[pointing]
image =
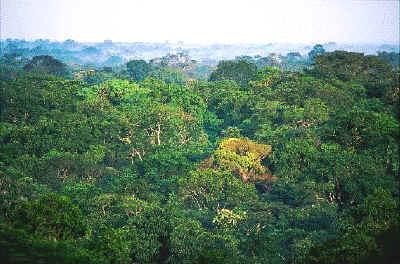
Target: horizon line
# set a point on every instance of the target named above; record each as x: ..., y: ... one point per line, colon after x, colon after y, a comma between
x: 202, y: 43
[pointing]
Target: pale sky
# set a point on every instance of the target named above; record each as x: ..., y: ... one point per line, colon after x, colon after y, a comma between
x: 203, y: 21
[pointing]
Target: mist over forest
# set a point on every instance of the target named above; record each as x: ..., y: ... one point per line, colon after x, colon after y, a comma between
x: 109, y: 53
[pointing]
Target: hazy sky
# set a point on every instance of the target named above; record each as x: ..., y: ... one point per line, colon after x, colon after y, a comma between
x: 203, y: 21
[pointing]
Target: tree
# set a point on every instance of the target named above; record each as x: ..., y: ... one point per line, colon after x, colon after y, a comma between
x: 209, y: 189
x: 51, y: 216
x: 240, y: 71
x: 226, y: 99
x: 317, y: 50
x: 242, y: 157
x: 138, y: 69
x: 390, y: 57
x: 47, y: 65
x: 376, y: 75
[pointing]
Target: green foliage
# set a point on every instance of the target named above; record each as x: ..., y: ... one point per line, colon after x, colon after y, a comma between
x: 258, y: 165
x: 111, y: 244
x: 51, y: 216
x: 369, y: 240
x: 239, y: 71
x: 19, y: 246
x: 138, y: 69
x: 390, y: 57
x: 316, y: 111
x: 316, y: 51
x: 45, y: 64
x: 242, y: 157
x: 212, y: 189
x: 376, y: 75
x: 191, y: 243
x: 169, y: 75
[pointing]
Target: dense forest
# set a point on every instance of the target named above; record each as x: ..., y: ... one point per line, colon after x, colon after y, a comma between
x: 276, y: 159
